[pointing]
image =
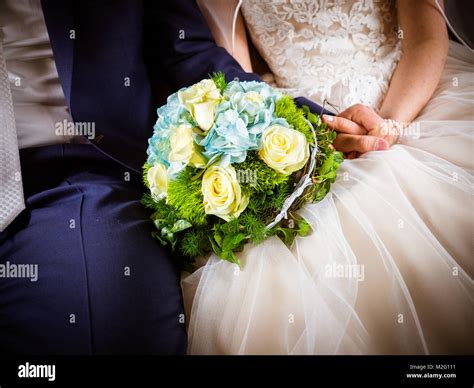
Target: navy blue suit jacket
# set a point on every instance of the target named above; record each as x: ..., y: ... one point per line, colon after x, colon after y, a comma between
x: 117, y: 60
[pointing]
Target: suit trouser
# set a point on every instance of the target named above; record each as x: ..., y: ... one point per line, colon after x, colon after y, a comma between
x: 103, y: 284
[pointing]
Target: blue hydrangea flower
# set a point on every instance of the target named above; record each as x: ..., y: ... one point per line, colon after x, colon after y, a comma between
x: 170, y: 115
x: 269, y: 94
x: 248, y: 108
x: 229, y: 137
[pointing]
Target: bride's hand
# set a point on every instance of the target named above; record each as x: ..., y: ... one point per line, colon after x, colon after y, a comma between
x: 361, y: 130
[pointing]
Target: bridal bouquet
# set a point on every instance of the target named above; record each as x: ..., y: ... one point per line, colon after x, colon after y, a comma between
x: 230, y: 163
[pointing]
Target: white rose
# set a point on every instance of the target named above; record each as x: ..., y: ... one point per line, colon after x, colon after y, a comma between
x: 183, y: 148
x: 157, y: 178
x: 222, y: 193
x: 200, y: 100
x: 284, y: 149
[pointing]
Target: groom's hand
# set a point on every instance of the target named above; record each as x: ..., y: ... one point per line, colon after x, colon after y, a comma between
x: 359, y: 130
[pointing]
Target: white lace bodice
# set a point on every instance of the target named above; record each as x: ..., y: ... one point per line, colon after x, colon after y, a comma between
x: 341, y: 50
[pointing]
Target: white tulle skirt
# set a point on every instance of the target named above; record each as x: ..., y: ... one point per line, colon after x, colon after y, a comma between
x: 388, y: 268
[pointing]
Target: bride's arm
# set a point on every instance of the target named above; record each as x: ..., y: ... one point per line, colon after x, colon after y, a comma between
x: 219, y: 16
x: 241, y: 47
x: 425, y: 47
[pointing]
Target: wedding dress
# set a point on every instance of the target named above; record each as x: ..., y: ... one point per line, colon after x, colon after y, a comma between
x: 388, y: 267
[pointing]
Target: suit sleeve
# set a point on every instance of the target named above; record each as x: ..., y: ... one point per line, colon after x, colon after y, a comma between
x: 188, y: 52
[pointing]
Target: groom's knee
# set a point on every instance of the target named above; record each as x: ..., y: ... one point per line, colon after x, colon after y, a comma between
x: 102, y: 287
x: 130, y: 305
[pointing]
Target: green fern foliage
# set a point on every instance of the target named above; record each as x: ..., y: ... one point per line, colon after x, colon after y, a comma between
x: 185, y: 196
x: 219, y: 80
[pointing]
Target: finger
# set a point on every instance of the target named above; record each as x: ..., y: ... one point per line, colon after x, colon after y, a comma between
x: 348, y: 143
x: 388, y: 130
x: 363, y: 115
x: 344, y: 125
x: 351, y: 155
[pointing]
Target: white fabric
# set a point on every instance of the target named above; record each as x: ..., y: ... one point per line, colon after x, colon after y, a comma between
x: 389, y: 266
x: 344, y: 51
x: 11, y: 188
x: 38, y: 98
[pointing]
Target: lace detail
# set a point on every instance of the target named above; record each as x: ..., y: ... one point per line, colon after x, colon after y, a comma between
x: 342, y: 50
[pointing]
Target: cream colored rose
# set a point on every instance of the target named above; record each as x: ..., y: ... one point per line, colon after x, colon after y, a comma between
x: 157, y: 178
x: 183, y: 147
x: 222, y: 193
x: 284, y: 149
x: 200, y: 100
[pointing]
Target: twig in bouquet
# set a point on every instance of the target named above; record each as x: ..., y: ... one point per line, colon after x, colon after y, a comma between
x: 335, y: 107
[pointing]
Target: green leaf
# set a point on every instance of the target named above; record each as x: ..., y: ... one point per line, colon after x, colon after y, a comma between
x: 215, y: 246
x: 327, y: 165
x: 338, y: 157
x: 180, y: 225
x: 159, y: 238
x: 286, y: 234
x: 232, y: 241
x: 303, y: 228
x: 218, y: 238
x: 230, y: 256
